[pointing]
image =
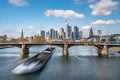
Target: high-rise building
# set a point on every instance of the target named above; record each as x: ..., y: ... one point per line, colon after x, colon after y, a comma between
x: 61, y: 34
x: 68, y: 30
x: 42, y: 33
x: 99, y: 33
x: 76, y: 33
x: 52, y: 34
x: 81, y: 34
x: 61, y: 30
x: 47, y: 35
x: 72, y: 35
x: 55, y: 34
x: 91, y: 32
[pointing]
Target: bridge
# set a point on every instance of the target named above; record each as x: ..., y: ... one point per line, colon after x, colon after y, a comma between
x: 102, y: 47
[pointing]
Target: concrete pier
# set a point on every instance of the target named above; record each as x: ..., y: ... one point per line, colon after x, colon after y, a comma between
x: 24, y: 51
x: 65, y: 49
x: 103, y: 52
x: 99, y: 52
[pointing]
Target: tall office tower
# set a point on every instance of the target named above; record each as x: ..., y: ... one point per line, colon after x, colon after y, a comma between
x: 76, y: 33
x: 72, y: 35
x: 61, y: 34
x: 64, y: 35
x: 61, y: 30
x: 55, y: 34
x: 42, y: 33
x: 91, y: 32
x: 81, y: 34
x: 99, y: 33
x: 52, y: 34
x: 47, y: 35
x: 68, y: 30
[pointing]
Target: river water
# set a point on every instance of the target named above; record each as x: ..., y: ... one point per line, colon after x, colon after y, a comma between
x: 81, y: 64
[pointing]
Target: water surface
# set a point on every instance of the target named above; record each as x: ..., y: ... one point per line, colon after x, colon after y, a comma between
x: 82, y: 64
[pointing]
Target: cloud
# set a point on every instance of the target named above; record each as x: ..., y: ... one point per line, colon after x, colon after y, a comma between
x: 30, y: 27
x: 19, y: 2
x: 103, y: 8
x: 63, y: 13
x: 85, y: 27
x: 106, y: 23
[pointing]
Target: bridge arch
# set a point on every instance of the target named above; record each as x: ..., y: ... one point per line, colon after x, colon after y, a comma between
x: 79, y: 50
x: 113, y: 50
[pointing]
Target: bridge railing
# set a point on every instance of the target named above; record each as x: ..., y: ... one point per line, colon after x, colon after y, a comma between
x: 112, y: 42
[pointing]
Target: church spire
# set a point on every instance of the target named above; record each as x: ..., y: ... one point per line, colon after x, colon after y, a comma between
x: 22, y: 36
x: 91, y: 32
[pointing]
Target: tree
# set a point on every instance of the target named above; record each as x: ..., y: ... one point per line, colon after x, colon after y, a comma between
x: 112, y: 38
x: 20, y: 39
x: 37, y: 39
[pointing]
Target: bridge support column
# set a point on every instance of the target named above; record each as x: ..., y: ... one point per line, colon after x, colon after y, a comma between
x: 99, y: 52
x: 65, y: 49
x: 24, y: 51
x: 103, y: 52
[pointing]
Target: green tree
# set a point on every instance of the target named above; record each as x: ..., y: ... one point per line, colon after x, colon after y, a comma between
x: 112, y: 38
x: 37, y: 39
x: 20, y: 40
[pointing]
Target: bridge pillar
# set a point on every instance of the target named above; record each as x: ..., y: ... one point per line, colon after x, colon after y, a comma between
x: 99, y: 52
x: 65, y: 49
x: 103, y: 52
x: 24, y: 51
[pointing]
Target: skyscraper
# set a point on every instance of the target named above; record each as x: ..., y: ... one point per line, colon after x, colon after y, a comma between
x: 42, y: 33
x: 51, y: 33
x: 99, y: 33
x: 47, y: 35
x: 68, y: 30
x: 55, y: 34
x: 76, y: 33
x: 61, y: 34
x: 81, y: 34
x: 91, y: 32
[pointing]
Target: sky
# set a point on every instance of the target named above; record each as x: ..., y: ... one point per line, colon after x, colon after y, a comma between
x: 35, y: 15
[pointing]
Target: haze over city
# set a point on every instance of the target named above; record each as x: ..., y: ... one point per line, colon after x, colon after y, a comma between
x: 33, y: 16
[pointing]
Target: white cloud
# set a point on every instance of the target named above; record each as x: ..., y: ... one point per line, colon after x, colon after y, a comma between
x: 106, y: 23
x: 63, y: 13
x: 104, y: 7
x: 85, y: 27
x: 19, y: 2
x: 30, y: 27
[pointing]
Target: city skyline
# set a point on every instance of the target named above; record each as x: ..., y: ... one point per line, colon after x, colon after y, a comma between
x: 34, y: 16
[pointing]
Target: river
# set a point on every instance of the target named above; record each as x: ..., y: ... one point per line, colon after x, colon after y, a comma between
x: 81, y: 64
